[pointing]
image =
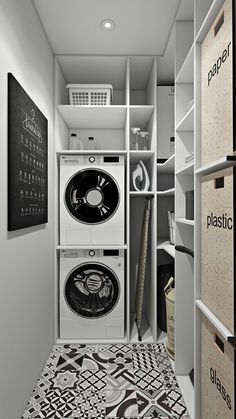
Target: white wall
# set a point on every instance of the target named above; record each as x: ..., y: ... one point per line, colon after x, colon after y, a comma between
x: 26, y: 256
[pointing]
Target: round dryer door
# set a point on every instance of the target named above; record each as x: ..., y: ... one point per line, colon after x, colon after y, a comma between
x: 92, y: 290
x: 92, y: 196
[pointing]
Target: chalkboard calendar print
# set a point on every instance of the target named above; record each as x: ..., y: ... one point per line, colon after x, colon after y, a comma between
x: 27, y: 160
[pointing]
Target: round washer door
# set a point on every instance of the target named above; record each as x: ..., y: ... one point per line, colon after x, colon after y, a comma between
x: 92, y: 196
x: 92, y: 290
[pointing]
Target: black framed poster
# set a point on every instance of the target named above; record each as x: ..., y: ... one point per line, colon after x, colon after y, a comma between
x: 27, y: 160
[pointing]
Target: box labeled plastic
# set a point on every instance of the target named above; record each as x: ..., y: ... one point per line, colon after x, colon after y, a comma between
x: 217, y: 95
x: 218, y: 245
x: 217, y: 374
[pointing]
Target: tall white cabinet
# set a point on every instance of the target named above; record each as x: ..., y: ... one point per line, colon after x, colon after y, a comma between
x: 133, y: 105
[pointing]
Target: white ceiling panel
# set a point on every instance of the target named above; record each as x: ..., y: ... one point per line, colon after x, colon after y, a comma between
x: 142, y: 27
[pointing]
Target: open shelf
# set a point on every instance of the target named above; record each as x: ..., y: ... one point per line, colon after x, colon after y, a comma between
x: 168, y: 167
x: 216, y: 165
x: 142, y: 80
x: 137, y: 155
x: 142, y: 193
x: 140, y: 115
x: 107, y: 117
x: 186, y: 73
x: 167, y: 192
x: 187, y: 122
x: 187, y: 169
x: 75, y: 152
x: 88, y: 69
x: 164, y: 244
x: 185, y: 221
x: 214, y: 320
x: 92, y: 246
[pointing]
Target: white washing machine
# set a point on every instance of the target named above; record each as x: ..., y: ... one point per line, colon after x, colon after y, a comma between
x: 92, y: 207
x: 92, y: 294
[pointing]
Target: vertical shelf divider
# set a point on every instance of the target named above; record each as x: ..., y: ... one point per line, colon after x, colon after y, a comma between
x: 127, y: 146
x: 197, y: 231
x: 153, y: 313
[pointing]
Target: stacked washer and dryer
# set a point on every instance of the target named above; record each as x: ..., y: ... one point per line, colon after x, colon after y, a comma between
x: 92, y: 214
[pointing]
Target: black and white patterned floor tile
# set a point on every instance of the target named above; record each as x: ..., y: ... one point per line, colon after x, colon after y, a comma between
x: 70, y: 361
x: 33, y: 406
x: 44, y: 382
x: 144, y: 360
x: 169, y: 380
x: 159, y: 347
x: 59, y: 404
x: 52, y: 361
x: 119, y: 378
x: 121, y: 359
x: 79, y: 348
x: 163, y: 361
x: 153, y: 402
x: 90, y: 405
x: 145, y: 379
x: 118, y: 381
x: 142, y: 347
x: 121, y: 403
x: 176, y: 403
x: 120, y: 347
x: 95, y: 361
x: 64, y: 380
x: 92, y: 380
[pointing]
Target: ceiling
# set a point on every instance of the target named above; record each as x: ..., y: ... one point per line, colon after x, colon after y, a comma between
x: 142, y: 27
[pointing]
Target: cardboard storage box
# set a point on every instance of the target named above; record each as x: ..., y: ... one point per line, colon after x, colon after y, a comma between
x: 217, y: 88
x: 217, y: 374
x: 218, y: 245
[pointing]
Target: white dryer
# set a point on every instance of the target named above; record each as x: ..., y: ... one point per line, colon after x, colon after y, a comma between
x: 92, y: 208
x: 92, y: 294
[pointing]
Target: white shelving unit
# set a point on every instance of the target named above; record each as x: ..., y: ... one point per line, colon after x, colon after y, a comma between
x: 184, y: 181
x: 63, y: 247
x: 185, y: 221
x: 134, y: 104
x: 168, y: 167
x: 187, y: 169
x: 164, y: 244
x: 166, y: 192
x: 144, y: 193
x: 187, y: 122
x: 102, y: 117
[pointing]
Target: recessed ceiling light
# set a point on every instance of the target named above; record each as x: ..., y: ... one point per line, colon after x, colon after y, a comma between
x: 107, y: 24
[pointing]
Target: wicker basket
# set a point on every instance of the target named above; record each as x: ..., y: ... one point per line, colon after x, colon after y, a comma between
x: 90, y: 94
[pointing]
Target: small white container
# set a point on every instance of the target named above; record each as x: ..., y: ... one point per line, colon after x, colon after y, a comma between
x: 91, y: 144
x: 75, y: 143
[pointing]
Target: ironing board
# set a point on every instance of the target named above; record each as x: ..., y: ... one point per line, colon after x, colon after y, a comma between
x: 142, y: 267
